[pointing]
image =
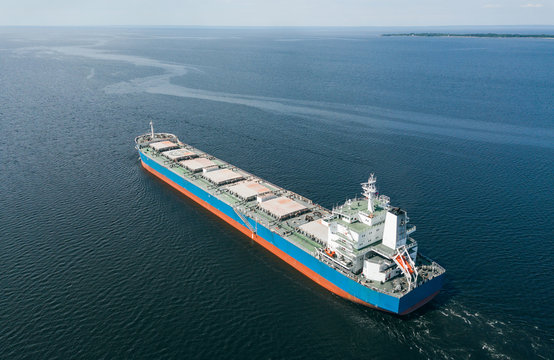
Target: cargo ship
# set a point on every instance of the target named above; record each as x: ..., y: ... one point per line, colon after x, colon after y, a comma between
x: 361, y: 250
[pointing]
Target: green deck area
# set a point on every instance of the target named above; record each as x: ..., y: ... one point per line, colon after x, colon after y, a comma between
x: 247, y: 208
x: 356, y: 226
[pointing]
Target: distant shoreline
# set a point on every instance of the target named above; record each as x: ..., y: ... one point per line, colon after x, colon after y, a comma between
x: 478, y: 35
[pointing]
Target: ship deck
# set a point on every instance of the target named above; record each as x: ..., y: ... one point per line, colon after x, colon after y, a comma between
x: 287, y: 228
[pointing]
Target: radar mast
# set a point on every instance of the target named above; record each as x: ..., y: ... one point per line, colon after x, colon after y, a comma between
x: 370, y: 192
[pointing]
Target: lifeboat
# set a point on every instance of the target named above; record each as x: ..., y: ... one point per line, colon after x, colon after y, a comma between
x: 330, y: 253
x: 401, y: 260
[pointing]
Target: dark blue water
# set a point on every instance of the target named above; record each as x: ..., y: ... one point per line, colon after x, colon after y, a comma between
x: 98, y: 259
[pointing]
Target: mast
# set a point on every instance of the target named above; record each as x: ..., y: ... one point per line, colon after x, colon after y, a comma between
x: 152, y: 129
x: 370, y: 190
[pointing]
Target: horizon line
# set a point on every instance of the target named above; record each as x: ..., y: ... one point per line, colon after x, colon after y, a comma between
x: 276, y: 26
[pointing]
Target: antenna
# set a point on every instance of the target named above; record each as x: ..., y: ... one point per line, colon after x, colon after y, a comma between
x: 370, y: 190
x: 152, y: 129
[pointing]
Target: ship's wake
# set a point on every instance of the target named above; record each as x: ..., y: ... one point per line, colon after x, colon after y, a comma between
x: 447, y: 332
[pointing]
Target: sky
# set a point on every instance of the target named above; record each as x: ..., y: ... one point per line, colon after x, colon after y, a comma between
x: 277, y: 12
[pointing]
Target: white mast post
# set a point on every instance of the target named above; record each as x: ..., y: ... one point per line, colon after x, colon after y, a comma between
x: 369, y: 192
x: 152, y: 129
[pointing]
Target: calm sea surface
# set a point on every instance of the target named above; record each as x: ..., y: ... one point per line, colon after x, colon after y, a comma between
x: 99, y: 259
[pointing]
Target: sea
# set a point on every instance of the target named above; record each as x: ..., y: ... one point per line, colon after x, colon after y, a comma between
x: 101, y: 260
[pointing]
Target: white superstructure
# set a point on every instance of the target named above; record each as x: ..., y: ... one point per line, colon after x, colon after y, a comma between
x: 370, y: 237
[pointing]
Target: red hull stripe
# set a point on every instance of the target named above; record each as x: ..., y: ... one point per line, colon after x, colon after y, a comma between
x: 281, y: 254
